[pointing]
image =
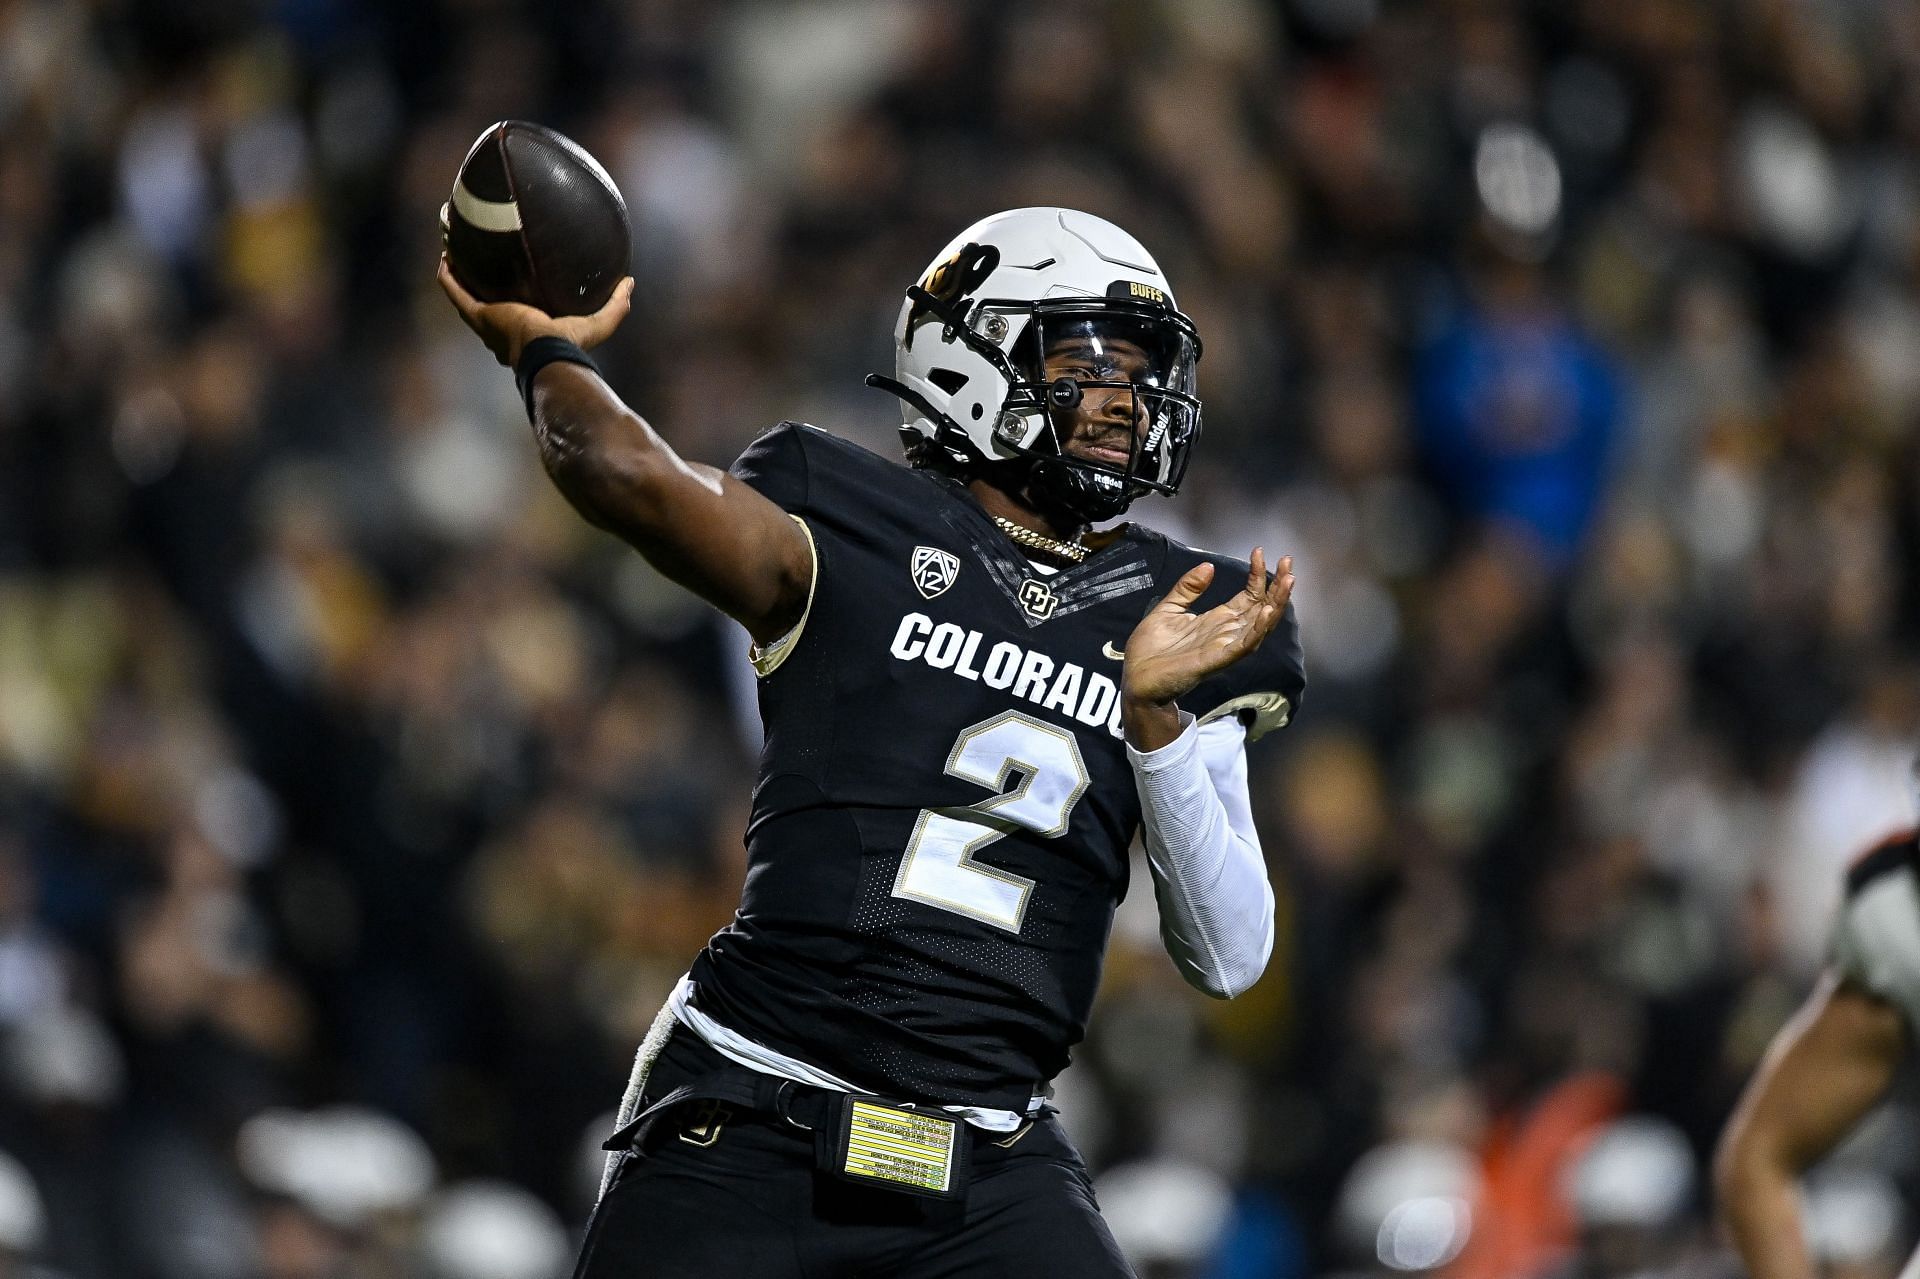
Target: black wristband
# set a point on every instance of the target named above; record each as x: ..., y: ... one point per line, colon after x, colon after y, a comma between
x: 539, y: 353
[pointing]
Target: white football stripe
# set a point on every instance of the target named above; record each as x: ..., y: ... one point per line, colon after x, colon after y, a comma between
x: 488, y: 215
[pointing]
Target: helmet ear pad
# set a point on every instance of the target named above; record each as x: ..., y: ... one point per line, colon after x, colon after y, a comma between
x: 967, y: 398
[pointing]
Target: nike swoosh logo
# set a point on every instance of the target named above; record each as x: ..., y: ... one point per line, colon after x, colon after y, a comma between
x: 1108, y: 650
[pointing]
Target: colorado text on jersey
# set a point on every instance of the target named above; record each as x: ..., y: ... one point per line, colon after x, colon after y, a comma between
x: 1087, y: 696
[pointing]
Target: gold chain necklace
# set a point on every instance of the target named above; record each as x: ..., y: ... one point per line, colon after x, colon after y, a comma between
x: 1041, y: 542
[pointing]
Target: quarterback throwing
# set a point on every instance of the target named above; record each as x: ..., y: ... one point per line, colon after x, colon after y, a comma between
x: 975, y: 697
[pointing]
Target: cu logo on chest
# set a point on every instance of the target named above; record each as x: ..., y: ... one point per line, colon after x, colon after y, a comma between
x: 933, y: 571
x: 1037, y: 598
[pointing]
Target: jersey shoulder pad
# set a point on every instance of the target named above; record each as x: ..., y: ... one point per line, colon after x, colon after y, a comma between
x: 1876, y: 938
x: 776, y: 464
x: 1262, y: 689
x: 806, y: 470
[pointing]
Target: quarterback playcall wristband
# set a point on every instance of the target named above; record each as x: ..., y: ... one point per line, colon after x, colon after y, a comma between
x: 539, y: 353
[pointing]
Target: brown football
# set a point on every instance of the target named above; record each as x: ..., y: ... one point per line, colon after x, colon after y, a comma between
x: 533, y: 218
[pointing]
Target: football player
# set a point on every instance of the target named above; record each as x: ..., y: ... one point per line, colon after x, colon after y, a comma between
x: 1830, y: 1065
x: 972, y: 703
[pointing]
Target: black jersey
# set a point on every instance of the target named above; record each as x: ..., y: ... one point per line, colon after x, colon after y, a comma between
x: 940, y: 828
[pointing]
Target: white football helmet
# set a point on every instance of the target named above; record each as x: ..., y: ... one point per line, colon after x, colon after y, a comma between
x: 972, y: 339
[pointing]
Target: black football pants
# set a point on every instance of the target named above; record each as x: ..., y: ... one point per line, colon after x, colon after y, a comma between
x: 751, y: 1204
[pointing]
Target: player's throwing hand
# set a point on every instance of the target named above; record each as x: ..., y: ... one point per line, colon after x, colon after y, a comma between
x: 507, y: 327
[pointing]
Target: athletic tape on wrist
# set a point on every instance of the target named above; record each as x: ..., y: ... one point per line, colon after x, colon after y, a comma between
x: 539, y: 353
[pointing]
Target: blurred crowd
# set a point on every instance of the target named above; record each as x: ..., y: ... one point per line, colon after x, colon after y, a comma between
x: 359, y: 804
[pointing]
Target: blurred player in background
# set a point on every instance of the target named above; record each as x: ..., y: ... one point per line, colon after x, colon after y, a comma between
x: 1831, y: 1064
x: 973, y: 702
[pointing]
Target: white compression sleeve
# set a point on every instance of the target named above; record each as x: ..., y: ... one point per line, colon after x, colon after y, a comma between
x: 1209, y: 875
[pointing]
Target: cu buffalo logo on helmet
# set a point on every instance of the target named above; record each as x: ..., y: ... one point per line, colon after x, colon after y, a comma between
x: 933, y: 571
x: 950, y: 284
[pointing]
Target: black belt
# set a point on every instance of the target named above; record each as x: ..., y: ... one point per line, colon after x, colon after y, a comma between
x: 871, y: 1141
x: 736, y: 1086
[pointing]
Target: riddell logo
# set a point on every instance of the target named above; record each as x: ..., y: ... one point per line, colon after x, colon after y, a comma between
x: 1154, y: 436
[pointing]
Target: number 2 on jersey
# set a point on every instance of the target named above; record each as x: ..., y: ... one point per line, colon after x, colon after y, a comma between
x: 938, y: 867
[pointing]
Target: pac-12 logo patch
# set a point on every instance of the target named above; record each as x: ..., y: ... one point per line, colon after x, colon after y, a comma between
x: 933, y: 571
x: 1037, y: 598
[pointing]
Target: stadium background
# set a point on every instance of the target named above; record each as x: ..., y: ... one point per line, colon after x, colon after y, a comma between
x: 358, y: 803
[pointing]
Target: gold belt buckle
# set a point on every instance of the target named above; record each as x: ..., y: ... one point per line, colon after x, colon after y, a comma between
x: 704, y: 1121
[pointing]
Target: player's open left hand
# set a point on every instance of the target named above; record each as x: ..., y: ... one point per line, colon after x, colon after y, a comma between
x: 507, y: 327
x: 1174, y: 648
